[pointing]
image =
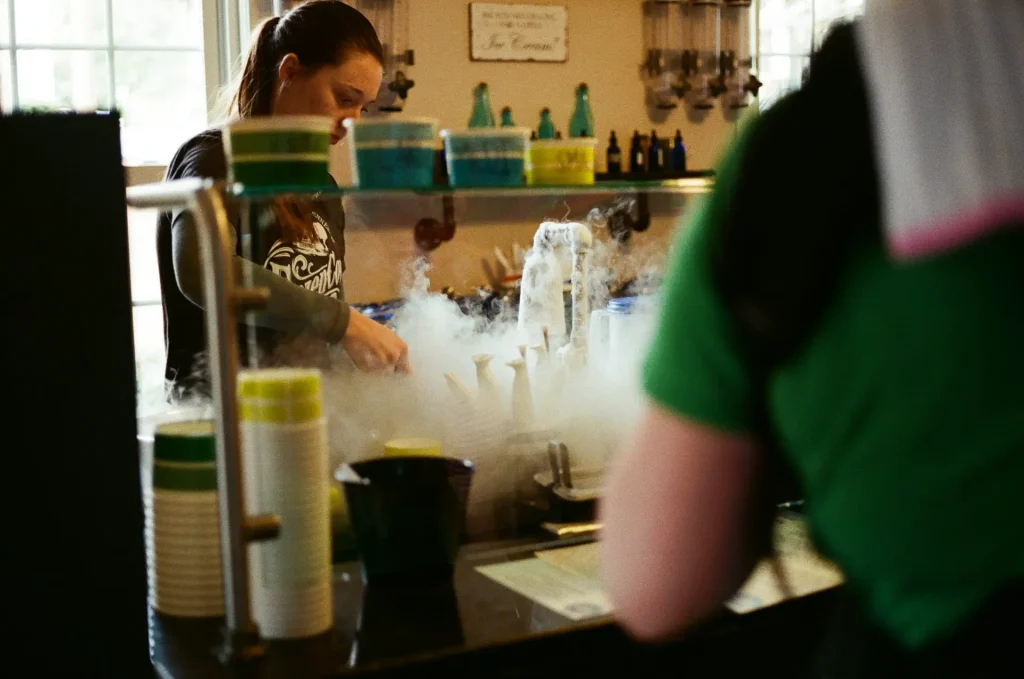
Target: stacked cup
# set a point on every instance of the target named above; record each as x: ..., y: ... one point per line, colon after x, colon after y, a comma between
x: 280, y: 151
x: 182, y: 527
x: 284, y: 453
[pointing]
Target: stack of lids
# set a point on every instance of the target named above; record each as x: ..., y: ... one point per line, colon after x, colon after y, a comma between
x: 285, y: 465
x: 182, y: 527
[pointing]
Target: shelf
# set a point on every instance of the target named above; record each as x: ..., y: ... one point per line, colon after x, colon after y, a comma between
x: 689, y: 185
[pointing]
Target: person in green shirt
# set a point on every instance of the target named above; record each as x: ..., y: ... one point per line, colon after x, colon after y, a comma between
x: 893, y: 389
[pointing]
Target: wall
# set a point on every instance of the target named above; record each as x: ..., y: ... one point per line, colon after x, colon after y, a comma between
x: 605, y: 51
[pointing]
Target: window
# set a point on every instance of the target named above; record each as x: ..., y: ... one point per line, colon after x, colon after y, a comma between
x: 788, y: 32
x: 143, y: 57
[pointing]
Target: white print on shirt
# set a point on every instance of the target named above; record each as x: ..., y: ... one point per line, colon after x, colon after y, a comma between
x: 312, y: 263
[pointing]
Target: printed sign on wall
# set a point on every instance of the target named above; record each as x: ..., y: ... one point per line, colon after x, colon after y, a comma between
x: 517, y: 32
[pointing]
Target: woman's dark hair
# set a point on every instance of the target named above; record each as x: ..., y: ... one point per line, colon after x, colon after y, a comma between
x: 318, y: 32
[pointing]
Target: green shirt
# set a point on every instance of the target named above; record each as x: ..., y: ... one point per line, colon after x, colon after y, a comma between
x: 903, y: 413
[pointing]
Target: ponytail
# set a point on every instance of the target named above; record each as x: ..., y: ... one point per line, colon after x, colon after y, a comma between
x: 255, y: 91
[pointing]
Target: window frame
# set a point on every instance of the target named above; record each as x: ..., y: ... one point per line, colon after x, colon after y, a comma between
x: 222, y: 31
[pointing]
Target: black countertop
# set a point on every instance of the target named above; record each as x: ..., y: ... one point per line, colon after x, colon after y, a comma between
x: 474, y: 626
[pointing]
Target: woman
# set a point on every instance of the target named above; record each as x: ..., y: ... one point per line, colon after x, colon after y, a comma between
x: 321, y: 58
x: 848, y: 298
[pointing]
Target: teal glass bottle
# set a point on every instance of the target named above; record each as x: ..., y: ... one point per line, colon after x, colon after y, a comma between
x: 506, y: 117
x: 482, y: 115
x: 546, y: 129
x: 582, y: 122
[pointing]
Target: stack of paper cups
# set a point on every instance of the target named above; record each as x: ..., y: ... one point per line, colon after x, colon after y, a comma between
x: 182, y: 528
x: 284, y: 456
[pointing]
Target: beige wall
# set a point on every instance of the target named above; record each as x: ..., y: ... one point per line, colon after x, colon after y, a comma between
x: 605, y: 50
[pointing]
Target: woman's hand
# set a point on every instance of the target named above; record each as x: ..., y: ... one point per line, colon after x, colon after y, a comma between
x: 372, y: 347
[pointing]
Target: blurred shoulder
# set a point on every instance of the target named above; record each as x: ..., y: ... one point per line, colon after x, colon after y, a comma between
x: 200, y: 156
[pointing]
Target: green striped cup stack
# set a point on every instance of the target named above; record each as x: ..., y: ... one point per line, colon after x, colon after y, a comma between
x: 280, y: 151
x: 182, y: 525
x: 285, y: 465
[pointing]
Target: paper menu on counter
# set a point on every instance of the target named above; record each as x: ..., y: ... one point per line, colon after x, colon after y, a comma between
x: 563, y: 591
x: 580, y: 559
x: 567, y: 581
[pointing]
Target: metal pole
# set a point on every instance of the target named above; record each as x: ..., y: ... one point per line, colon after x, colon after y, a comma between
x: 15, y: 93
x: 221, y: 299
x: 212, y: 223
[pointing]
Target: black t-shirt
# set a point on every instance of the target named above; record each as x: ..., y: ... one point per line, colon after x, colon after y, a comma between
x: 315, y: 264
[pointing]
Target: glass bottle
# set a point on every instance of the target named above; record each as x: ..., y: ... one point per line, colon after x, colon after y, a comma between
x: 582, y: 122
x: 679, y: 153
x: 614, y: 156
x: 655, y: 157
x: 482, y: 115
x: 637, y: 162
x: 506, y: 117
x: 546, y: 129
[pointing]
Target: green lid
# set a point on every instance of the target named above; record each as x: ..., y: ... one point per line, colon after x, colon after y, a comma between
x: 186, y: 477
x: 190, y: 441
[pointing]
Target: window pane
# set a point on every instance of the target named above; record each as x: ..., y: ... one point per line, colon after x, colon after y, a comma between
x: 829, y: 12
x: 5, y: 31
x: 148, y: 320
x: 75, y: 79
x: 162, y: 96
x: 785, y: 26
x: 155, y: 23
x: 6, y: 91
x: 779, y: 75
x: 142, y: 255
x: 260, y: 10
x: 60, y: 22
x: 148, y: 324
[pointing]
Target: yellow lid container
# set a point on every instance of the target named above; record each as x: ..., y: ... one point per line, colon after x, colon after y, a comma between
x: 412, y: 448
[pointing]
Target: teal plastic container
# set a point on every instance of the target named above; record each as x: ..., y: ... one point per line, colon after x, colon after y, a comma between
x: 486, y: 157
x: 392, y: 154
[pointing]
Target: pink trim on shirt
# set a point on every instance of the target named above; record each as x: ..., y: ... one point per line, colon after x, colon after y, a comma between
x: 946, y: 234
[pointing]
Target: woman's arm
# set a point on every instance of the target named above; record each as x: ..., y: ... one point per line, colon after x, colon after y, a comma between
x: 675, y: 542
x: 290, y: 308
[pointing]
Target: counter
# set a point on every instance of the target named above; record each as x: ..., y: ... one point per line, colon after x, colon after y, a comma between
x: 476, y: 627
